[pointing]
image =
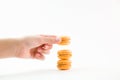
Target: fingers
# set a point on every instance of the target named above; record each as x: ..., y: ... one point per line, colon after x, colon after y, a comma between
x: 40, y: 51
x: 51, y: 39
x: 43, y: 51
x: 45, y: 48
x: 39, y: 56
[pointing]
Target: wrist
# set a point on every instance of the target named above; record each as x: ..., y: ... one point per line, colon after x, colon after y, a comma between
x: 9, y: 47
x: 19, y: 48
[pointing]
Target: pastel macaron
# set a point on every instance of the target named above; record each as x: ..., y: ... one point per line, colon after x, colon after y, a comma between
x: 64, y: 54
x: 64, y: 64
x: 65, y: 40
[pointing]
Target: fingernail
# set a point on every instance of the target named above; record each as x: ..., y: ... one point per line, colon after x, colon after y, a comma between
x: 58, y: 39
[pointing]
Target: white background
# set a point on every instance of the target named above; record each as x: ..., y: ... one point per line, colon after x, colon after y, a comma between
x: 93, y: 25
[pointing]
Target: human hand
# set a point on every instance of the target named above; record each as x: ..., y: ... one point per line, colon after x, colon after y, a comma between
x: 37, y: 46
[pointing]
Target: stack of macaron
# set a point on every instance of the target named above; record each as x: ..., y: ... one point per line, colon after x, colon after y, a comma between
x: 64, y: 62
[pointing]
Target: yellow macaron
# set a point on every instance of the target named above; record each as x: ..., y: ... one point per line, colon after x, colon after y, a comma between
x: 64, y: 64
x: 64, y: 54
x: 65, y: 40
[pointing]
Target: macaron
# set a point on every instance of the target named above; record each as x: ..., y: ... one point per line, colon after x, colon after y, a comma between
x: 65, y: 40
x: 64, y: 64
x: 64, y: 54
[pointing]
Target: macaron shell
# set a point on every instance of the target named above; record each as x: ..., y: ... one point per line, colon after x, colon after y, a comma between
x: 64, y: 64
x: 65, y: 40
x: 64, y: 54
x: 64, y: 51
x: 63, y: 67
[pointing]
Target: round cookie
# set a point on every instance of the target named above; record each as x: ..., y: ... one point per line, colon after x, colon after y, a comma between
x: 64, y: 64
x: 64, y: 54
x: 65, y: 40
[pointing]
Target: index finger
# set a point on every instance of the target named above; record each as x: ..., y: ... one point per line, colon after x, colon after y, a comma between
x: 50, y: 39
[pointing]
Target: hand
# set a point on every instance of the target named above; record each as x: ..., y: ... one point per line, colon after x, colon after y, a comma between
x: 37, y: 46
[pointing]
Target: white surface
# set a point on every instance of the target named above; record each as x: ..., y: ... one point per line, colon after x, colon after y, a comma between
x: 93, y: 25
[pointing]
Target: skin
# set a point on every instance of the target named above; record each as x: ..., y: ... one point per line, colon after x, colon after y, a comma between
x: 34, y: 47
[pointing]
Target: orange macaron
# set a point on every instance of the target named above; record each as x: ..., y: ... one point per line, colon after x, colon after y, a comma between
x: 64, y: 54
x: 64, y: 64
x: 65, y: 40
